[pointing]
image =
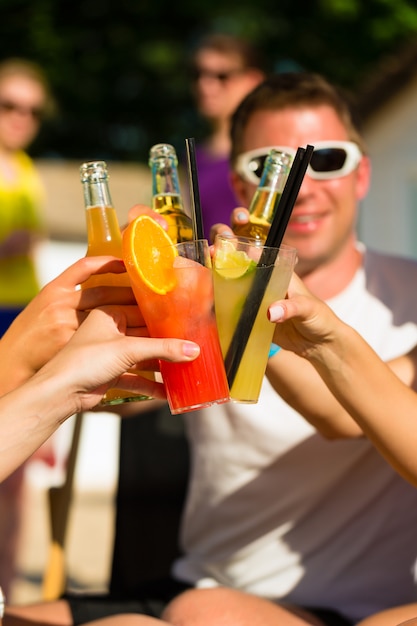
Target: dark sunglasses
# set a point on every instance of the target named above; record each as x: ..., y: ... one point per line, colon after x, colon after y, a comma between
x: 7, y: 106
x: 330, y: 159
x: 197, y: 73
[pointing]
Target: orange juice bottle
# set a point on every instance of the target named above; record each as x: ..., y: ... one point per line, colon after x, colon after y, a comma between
x: 103, y: 230
x: 104, y: 238
x: 166, y: 194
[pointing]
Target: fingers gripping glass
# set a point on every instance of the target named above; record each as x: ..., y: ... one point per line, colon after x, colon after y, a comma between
x: 331, y: 159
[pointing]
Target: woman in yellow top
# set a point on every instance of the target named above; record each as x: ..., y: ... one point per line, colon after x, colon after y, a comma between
x: 24, y: 99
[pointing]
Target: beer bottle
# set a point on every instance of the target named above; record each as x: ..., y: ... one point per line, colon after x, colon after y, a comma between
x: 265, y: 201
x: 166, y: 195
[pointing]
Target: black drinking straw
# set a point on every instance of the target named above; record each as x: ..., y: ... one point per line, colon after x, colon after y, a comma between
x: 261, y: 279
x: 198, y: 231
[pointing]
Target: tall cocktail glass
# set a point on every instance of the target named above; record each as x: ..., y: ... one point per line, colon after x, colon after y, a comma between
x: 235, y: 271
x: 187, y: 312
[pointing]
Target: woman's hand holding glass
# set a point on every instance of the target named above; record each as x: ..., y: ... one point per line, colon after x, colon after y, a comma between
x: 52, y: 317
x: 96, y: 357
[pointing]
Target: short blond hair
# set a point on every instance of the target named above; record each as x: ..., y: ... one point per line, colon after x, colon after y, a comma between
x: 29, y: 69
x: 248, y: 54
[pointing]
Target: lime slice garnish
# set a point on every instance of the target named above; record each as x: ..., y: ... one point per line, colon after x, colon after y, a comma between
x: 233, y: 263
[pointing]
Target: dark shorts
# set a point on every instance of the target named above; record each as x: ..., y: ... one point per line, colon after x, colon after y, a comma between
x: 330, y: 618
x: 150, y: 599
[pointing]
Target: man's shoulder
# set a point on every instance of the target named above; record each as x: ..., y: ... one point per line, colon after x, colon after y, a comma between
x: 379, y: 265
x: 375, y: 257
x: 393, y: 280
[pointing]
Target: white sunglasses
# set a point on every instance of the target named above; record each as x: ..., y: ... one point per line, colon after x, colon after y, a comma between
x: 330, y: 159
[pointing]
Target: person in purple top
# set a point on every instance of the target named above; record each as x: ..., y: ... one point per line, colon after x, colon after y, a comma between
x: 217, y: 195
x: 224, y: 68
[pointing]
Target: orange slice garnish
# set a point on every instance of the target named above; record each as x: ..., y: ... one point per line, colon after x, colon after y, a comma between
x: 149, y: 255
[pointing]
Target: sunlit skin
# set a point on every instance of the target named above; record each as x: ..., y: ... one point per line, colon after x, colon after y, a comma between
x: 322, y: 226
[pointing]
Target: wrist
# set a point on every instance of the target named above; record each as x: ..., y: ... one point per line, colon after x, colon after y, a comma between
x: 57, y: 400
x: 333, y: 353
x: 273, y: 350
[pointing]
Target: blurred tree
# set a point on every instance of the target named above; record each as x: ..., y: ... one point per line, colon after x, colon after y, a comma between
x: 119, y: 68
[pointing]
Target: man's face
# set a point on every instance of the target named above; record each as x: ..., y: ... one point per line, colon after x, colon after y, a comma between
x: 322, y: 223
x: 21, y: 104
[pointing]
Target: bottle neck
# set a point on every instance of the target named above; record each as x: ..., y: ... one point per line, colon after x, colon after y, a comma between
x: 275, y: 173
x: 166, y: 194
x: 103, y: 230
x: 97, y: 193
x: 269, y: 191
x: 165, y: 180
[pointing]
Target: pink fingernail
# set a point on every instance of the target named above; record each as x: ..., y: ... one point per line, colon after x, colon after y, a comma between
x: 190, y: 349
x: 275, y: 313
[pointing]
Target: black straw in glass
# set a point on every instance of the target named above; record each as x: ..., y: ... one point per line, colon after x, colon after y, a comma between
x: 267, y: 259
x: 196, y: 215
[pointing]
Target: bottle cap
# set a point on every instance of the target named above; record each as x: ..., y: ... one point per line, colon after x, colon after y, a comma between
x: 276, y: 169
x: 93, y: 171
x: 162, y: 151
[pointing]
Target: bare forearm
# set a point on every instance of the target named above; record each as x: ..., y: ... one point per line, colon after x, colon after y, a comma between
x: 28, y: 416
x: 383, y: 406
x: 301, y: 386
x: 405, y: 367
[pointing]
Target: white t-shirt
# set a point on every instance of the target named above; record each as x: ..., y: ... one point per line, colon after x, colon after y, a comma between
x: 277, y: 510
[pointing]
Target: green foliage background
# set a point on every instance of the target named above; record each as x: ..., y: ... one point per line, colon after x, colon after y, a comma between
x: 118, y: 67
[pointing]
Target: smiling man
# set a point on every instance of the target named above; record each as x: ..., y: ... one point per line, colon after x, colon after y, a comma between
x: 287, y: 526
x: 322, y: 227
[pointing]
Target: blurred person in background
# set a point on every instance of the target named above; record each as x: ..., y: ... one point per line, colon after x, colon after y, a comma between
x: 25, y: 98
x: 223, y: 69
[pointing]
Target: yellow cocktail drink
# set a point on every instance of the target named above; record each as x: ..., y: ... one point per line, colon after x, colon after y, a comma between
x: 236, y: 273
